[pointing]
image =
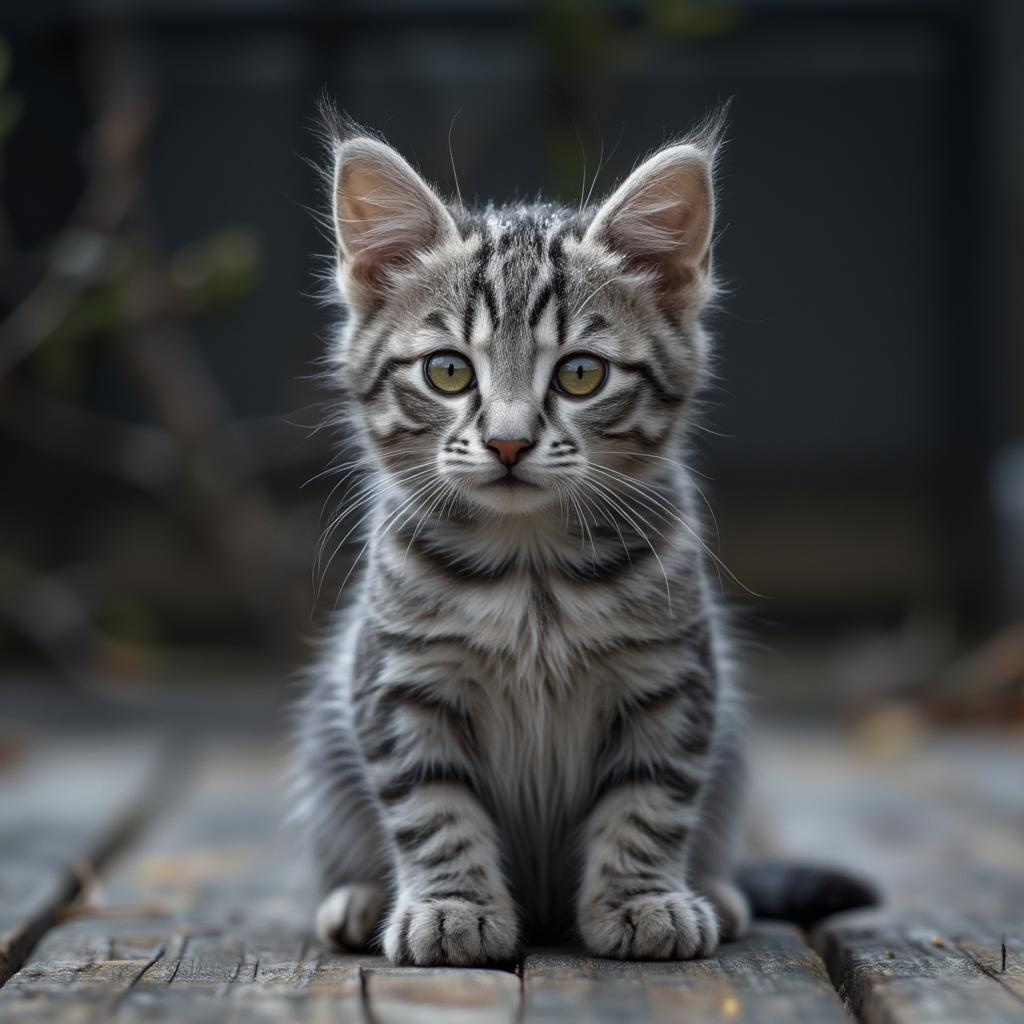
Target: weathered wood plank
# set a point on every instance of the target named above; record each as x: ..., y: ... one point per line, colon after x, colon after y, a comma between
x: 933, y: 823
x: 769, y: 976
x: 203, y: 920
x: 895, y: 968
x: 63, y: 808
x: 442, y: 996
x: 206, y: 918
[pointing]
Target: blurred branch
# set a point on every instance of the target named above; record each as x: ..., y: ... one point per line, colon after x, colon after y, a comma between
x: 76, y: 260
x: 106, y: 280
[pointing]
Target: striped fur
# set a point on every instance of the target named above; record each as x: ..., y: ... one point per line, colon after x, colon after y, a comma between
x: 525, y: 727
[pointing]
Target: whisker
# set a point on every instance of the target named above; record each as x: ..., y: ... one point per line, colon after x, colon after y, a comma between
x: 614, y: 500
x: 670, y: 512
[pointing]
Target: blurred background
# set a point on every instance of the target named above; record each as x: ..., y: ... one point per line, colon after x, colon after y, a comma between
x: 159, y: 331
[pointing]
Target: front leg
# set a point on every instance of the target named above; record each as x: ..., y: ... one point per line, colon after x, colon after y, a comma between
x: 451, y: 904
x: 635, y: 900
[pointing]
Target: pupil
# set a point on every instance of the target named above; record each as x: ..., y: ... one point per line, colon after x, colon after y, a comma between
x: 579, y: 372
x: 451, y: 369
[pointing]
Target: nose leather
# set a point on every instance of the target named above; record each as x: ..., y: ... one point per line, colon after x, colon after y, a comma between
x: 508, y: 452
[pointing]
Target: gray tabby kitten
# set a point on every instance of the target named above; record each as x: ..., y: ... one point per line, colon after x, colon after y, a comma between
x: 526, y: 726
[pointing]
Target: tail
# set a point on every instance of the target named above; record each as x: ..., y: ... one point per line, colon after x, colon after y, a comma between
x: 802, y: 893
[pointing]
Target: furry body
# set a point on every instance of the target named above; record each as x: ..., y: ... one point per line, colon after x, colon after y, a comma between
x: 526, y: 726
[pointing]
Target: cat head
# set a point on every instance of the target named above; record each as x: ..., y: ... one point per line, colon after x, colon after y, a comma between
x: 517, y: 355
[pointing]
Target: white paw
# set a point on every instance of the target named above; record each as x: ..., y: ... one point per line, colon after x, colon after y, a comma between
x: 446, y: 931
x: 659, y: 926
x: 348, y: 917
x: 732, y: 907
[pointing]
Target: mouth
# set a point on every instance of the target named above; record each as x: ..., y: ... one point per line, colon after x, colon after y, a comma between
x: 509, y: 482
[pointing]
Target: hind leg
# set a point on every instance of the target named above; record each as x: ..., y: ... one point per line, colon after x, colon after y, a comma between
x: 353, y: 864
x: 731, y: 906
x: 349, y: 916
x: 350, y: 856
x: 712, y: 861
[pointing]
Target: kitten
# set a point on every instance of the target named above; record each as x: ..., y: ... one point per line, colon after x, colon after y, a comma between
x: 526, y: 727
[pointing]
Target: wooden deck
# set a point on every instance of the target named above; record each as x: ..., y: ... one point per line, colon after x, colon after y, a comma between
x: 144, y: 883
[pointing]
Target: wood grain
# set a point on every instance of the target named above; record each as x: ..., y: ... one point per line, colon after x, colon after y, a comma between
x: 203, y: 919
x: 769, y: 976
x: 205, y: 915
x: 899, y: 967
x: 939, y: 824
x: 63, y: 808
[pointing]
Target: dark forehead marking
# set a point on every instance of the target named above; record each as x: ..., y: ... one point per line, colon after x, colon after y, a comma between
x: 491, y: 302
x: 522, y: 230
x: 540, y: 304
x: 437, y: 320
x: 594, y: 324
x: 475, y: 288
x: 557, y: 256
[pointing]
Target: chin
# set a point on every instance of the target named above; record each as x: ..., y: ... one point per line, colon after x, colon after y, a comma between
x: 513, y: 498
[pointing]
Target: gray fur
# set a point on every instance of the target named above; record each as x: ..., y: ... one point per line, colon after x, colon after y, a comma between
x: 525, y: 727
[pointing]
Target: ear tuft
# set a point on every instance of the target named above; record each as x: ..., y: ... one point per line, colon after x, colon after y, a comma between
x: 385, y: 215
x: 661, y: 220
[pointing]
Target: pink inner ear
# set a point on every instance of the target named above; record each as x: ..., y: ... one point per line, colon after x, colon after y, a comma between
x: 386, y: 214
x: 660, y: 221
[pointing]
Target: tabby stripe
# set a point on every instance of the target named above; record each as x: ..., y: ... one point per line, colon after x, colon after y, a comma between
x: 389, y: 438
x: 491, y: 302
x: 615, y: 900
x: 410, y: 838
x: 374, y: 715
x: 633, y: 643
x: 612, y: 874
x: 637, y: 437
x: 621, y: 563
x: 670, y: 778
x: 476, y: 285
x: 608, y: 411
x: 437, y: 320
x: 444, y: 855
x: 399, y: 787
x: 557, y: 257
x: 540, y: 304
x: 470, y: 896
x: 670, y: 835
x: 639, y: 854
x: 392, y: 696
x: 450, y: 565
x: 417, y: 641
x: 416, y: 405
x: 383, y: 372
x: 647, y: 374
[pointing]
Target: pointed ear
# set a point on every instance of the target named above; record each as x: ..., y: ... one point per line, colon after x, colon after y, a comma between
x: 384, y: 216
x: 661, y: 219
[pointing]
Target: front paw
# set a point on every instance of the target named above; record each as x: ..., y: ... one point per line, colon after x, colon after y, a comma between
x: 450, y: 931
x: 653, y: 926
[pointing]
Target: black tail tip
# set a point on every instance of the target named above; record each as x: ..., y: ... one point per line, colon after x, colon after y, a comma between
x: 803, y: 893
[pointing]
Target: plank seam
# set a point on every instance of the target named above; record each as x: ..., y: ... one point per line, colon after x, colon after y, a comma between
x: 177, y: 964
x: 991, y: 973
x: 364, y: 996
x: 82, y: 872
x: 118, y: 999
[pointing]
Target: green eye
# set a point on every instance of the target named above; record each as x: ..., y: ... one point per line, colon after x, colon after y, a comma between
x: 448, y: 372
x: 580, y: 375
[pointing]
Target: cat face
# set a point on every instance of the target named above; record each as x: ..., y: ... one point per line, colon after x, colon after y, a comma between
x: 521, y: 358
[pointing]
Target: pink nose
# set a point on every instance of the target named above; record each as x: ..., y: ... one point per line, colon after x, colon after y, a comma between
x: 508, y: 451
